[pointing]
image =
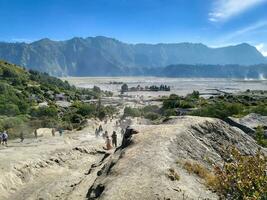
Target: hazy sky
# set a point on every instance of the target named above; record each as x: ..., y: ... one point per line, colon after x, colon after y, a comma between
x: 213, y: 22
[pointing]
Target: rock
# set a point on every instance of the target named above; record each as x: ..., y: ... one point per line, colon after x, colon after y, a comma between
x: 253, y: 120
x: 249, y: 123
x: 137, y: 170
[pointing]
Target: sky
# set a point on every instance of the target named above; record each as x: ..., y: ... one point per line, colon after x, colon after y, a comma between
x: 212, y: 22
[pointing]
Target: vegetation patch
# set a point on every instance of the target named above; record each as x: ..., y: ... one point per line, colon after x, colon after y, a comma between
x: 261, y: 140
x: 241, y: 177
x: 244, y: 177
x: 173, y: 175
x: 151, y: 112
x: 28, y: 100
x: 209, y: 177
x: 221, y: 106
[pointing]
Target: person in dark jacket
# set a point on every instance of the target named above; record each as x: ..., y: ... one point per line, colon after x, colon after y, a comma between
x: 114, y: 139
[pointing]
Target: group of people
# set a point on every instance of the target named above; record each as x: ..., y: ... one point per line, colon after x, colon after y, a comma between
x: 35, y: 132
x: 110, y: 142
x: 3, y: 138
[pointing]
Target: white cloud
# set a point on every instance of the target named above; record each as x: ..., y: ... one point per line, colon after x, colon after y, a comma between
x: 262, y: 48
x: 224, y: 9
x: 246, y: 30
x: 244, y: 34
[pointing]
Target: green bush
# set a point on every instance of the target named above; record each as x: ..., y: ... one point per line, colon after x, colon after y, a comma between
x: 260, y: 136
x: 150, y: 108
x: 185, y: 104
x: 260, y: 109
x: 244, y: 177
x: 170, y: 112
x: 9, y: 110
x: 48, y: 111
x: 131, y: 112
x: 172, y: 102
x: 151, y: 115
x: 220, y: 110
x: 13, y: 124
x: 85, y: 109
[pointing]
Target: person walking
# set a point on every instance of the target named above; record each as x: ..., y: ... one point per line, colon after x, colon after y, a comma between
x: 105, y: 135
x: 1, y: 138
x: 21, y: 136
x: 96, y: 132
x: 53, y: 132
x: 5, y: 137
x: 122, y: 133
x: 108, y: 143
x: 100, y: 128
x: 114, y: 139
x: 35, y: 134
x: 61, y: 132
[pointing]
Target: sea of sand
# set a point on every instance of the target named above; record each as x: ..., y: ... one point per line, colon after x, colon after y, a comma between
x: 180, y: 86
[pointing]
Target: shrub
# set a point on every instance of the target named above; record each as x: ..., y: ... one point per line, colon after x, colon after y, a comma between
x: 260, y: 136
x: 96, y: 89
x: 244, y: 177
x: 76, y: 118
x: 124, y: 88
x: 150, y: 108
x: 131, y: 112
x: 173, y: 175
x: 86, y: 109
x: 220, y: 110
x: 13, y: 124
x: 209, y: 177
x: 186, y: 104
x: 194, y: 95
x: 260, y: 109
x: 151, y: 116
x: 170, y: 112
x: 172, y: 102
x: 50, y: 111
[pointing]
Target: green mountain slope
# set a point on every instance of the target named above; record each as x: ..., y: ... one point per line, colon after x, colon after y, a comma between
x: 31, y: 99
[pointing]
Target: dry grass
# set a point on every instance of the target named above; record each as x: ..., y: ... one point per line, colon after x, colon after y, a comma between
x: 244, y: 177
x: 209, y: 177
x: 173, y: 175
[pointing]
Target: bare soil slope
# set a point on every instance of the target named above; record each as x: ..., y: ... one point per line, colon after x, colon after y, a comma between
x: 138, y: 170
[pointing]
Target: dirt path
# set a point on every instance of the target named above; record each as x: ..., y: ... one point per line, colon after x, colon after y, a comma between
x: 52, y: 167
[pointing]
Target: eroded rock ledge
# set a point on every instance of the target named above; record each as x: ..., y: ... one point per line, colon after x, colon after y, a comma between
x: 137, y: 169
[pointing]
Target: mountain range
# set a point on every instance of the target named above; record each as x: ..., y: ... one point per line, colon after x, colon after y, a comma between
x: 102, y: 56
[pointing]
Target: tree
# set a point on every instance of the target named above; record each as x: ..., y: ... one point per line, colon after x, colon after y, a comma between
x: 124, y: 88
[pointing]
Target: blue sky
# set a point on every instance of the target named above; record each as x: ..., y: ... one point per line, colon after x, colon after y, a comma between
x: 212, y: 22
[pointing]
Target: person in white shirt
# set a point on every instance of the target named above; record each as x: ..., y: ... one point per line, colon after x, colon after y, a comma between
x: 4, y: 138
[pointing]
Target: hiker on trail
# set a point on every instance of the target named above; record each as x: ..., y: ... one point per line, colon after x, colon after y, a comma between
x: 21, y: 136
x: 5, y: 137
x: 61, y: 132
x: 100, y: 128
x: 122, y: 133
x: 114, y: 139
x: 35, y: 134
x: 105, y: 135
x: 1, y: 137
x: 108, y: 143
x: 53, y: 132
x: 96, y: 132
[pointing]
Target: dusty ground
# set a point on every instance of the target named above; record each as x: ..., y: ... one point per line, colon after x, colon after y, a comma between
x: 76, y: 167
x: 139, y: 170
x: 51, y: 167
